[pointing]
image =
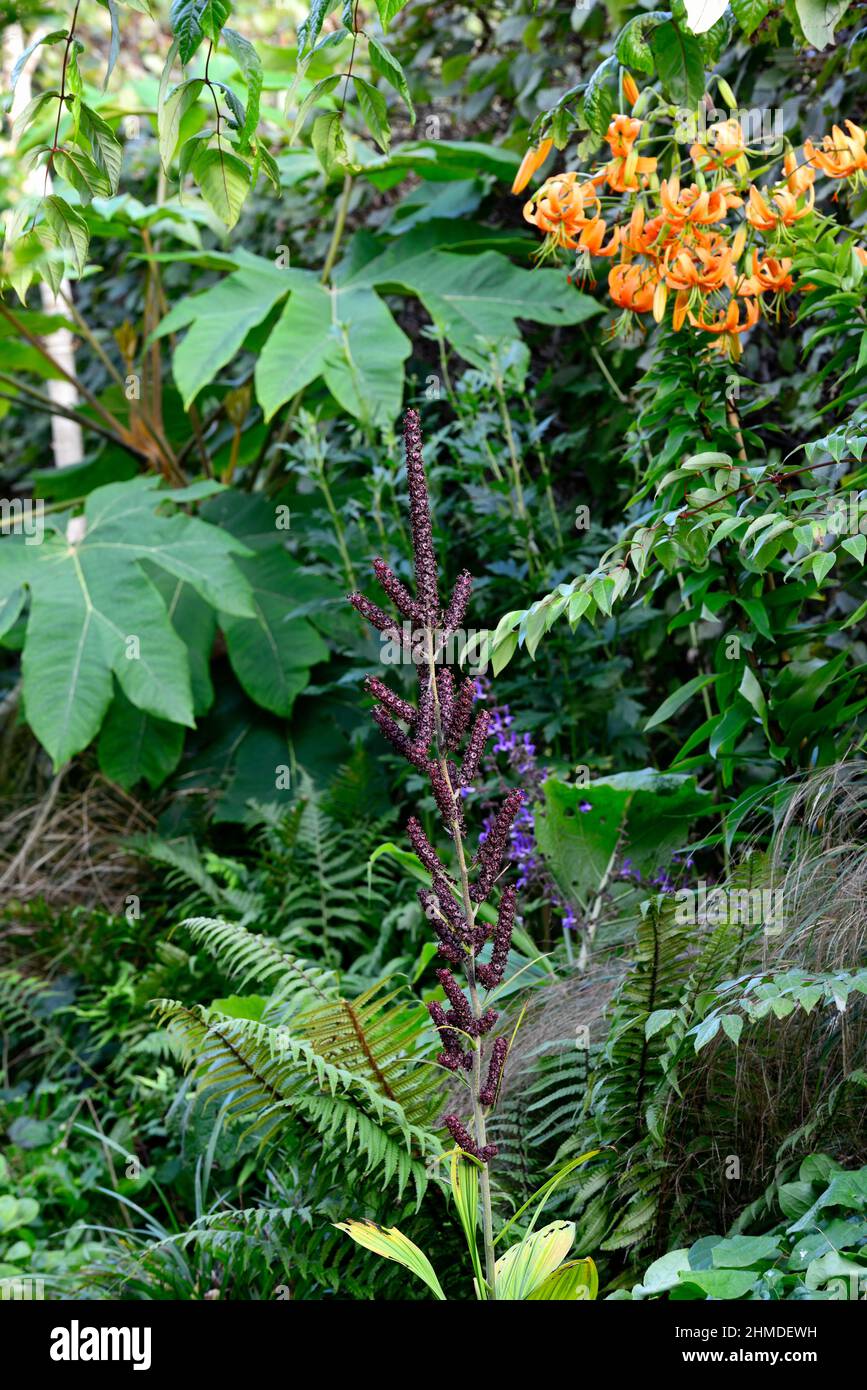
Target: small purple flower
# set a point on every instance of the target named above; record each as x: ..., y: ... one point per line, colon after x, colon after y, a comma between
x: 568, y: 919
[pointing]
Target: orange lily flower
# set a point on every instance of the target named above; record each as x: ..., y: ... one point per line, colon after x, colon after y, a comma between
x: 798, y: 180
x: 626, y: 172
x: 532, y: 161
x: 654, y: 236
x: 629, y: 174
x: 630, y: 88
x: 696, y: 206
x: 593, y: 236
x: 729, y: 320
x: 622, y: 135
x: 770, y: 276
x: 640, y: 238
x: 558, y: 208
x: 703, y: 268
x: 841, y: 155
x: 632, y: 287
x: 759, y: 212
x: 728, y: 326
x: 726, y: 146
x: 765, y: 219
x: 861, y: 254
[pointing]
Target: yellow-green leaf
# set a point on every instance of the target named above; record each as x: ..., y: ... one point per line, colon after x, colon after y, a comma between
x: 574, y: 1281
x: 529, y: 1263
x: 392, y: 1244
x: 224, y: 180
x: 465, y: 1190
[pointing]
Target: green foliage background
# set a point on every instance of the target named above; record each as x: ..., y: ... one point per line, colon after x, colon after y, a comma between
x: 274, y: 242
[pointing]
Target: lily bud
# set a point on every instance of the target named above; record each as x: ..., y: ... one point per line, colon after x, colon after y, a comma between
x: 533, y: 160
x: 660, y: 298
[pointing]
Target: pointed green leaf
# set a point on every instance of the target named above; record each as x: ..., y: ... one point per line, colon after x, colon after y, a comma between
x: 374, y: 111
x: 250, y: 65
x: 224, y: 180
x: 70, y: 229
x: 393, y: 1245
x: 195, y: 20
x: 388, y: 67
x: 673, y: 703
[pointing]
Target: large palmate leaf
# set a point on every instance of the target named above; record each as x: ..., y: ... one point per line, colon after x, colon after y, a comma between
x: 345, y: 333
x: 95, y: 613
x: 272, y: 651
x: 476, y: 301
x: 348, y: 337
x: 134, y: 745
x: 220, y: 319
x: 645, y: 815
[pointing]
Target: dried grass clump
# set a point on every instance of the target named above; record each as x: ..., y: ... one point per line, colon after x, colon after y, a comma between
x: 796, y: 1085
x: 555, y: 1012
x: 819, y: 857
x: 61, y: 836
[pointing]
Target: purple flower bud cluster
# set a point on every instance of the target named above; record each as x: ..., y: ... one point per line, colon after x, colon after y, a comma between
x: 488, y: 1093
x: 399, y: 595
x: 462, y: 713
x: 454, y: 614
x: 493, y: 847
x: 375, y: 615
x: 491, y: 974
x: 453, y: 1055
x: 463, y: 1140
x: 442, y: 718
x: 475, y: 749
x: 420, y: 522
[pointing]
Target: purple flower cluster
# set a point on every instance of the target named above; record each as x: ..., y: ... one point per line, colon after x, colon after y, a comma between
x: 521, y: 753
x: 665, y: 878
x: 533, y: 875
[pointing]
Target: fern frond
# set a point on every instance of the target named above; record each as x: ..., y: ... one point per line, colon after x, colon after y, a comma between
x: 21, y: 997
x: 260, y: 1073
x: 247, y: 956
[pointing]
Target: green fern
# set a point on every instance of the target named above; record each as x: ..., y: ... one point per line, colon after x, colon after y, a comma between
x: 306, y: 878
x: 22, y: 1021
x: 629, y: 1101
x: 358, y: 1071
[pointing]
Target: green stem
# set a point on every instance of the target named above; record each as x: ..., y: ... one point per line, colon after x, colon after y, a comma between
x: 513, y: 452
x: 337, y: 234
x: 475, y: 1004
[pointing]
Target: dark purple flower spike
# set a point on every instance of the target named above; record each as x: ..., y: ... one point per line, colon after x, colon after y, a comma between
x: 426, y: 734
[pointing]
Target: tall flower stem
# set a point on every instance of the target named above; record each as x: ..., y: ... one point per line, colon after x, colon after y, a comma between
x: 475, y: 1003
x: 436, y: 729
